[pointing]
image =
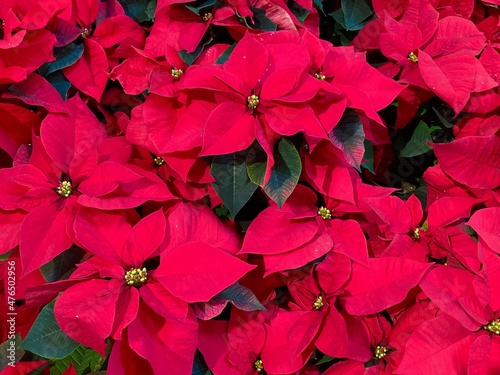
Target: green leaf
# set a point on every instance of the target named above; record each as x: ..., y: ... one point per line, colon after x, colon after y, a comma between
x: 223, y: 213
x: 285, y: 172
x: 84, y: 360
x: 338, y: 16
x: 190, y: 57
x: 355, y: 13
x: 199, y: 365
x: 368, y: 156
x: 60, y: 83
x: 62, y: 265
x: 225, y: 55
x: 298, y: 11
x: 256, y: 164
x: 6, y: 349
x: 443, y: 121
x: 325, y: 359
x: 197, y: 6
x: 261, y: 21
x: 348, y: 136
x: 241, y: 297
x: 46, y: 339
x: 65, y: 56
x: 319, y: 5
x: 140, y: 10
x: 232, y: 183
x: 151, y: 9
x: 417, y: 145
x: 5, y: 256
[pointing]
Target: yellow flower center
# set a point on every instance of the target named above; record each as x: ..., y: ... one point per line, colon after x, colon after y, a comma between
x: 416, y: 234
x: 319, y: 303
x: 253, y: 101
x: 258, y: 365
x: 85, y: 33
x: 412, y: 57
x: 325, y: 213
x: 320, y: 76
x: 207, y: 17
x: 380, y: 351
x: 64, y: 189
x: 159, y: 160
x: 493, y: 327
x: 136, y: 276
x: 176, y: 73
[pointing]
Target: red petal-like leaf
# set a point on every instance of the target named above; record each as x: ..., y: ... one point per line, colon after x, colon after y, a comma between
x: 437, y: 346
x: 390, y: 280
x: 272, y: 232
x: 90, y: 73
x: 197, y: 271
x: 198, y: 223
x: 35, y: 90
x: 167, y: 345
x: 276, y: 354
x: 348, y: 239
x: 303, y: 332
x: 86, y: 311
x: 43, y: 236
x: 463, y: 163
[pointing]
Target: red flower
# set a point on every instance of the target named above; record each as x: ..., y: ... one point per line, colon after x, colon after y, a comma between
x: 70, y: 165
x: 115, y: 286
x: 261, y: 94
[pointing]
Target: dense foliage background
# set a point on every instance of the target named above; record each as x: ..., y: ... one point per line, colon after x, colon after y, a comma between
x: 249, y: 186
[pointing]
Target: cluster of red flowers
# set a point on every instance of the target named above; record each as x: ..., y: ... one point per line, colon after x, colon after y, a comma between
x: 209, y: 185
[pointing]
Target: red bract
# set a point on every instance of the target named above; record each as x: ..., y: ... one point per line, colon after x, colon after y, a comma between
x: 193, y: 263
x: 469, y: 167
x: 19, y: 39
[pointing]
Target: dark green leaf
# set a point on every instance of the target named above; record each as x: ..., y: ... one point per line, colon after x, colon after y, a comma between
x: 319, y: 4
x: 298, y: 11
x: 60, y: 83
x: 261, y: 21
x: 199, y: 365
x: 443, y: 121
x: 417, y: 145
x: 198, y: 6
x: 46, y: 339
x: 355, y: 13
x: 368, y: 156
x: 348, y: 136
x: 65, y: 56
x: 232, y: 183
x: 225, y: 55
x: 140, y: 10
x: 151, y: 9
x: 84, y: 360
x: 241, y: 297
x: 62, y: 265
x: 5, y: 256
x: 6, y: 351
x: 285, y: 172
x: 223, y: 213
x: 256, y: 164
x: 338, y: 16
x: 190, y: 57
x: 325, y: 359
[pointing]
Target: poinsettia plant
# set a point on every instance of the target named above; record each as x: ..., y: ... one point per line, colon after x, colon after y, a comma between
x: 249, y: 187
